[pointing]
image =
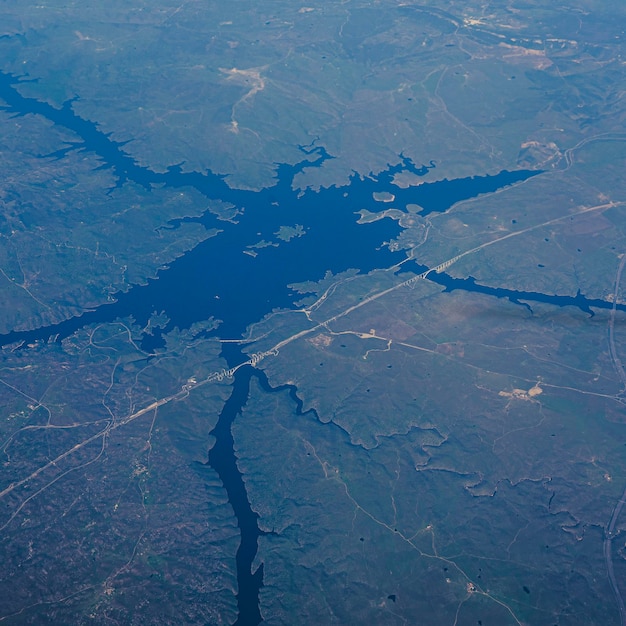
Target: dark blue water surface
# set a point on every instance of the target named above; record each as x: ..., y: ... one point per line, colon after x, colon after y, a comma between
x: 217, y: 279
x: 223, y: 460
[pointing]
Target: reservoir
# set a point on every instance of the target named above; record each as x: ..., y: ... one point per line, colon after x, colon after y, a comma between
x: 244, y: 272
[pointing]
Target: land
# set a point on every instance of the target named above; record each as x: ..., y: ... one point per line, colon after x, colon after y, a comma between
x: 446, y: 454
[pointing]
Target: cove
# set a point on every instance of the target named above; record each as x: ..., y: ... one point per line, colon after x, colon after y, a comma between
x: 521, y: 297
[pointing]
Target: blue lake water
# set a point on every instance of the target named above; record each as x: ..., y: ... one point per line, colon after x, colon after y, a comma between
x: 216, y: 278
